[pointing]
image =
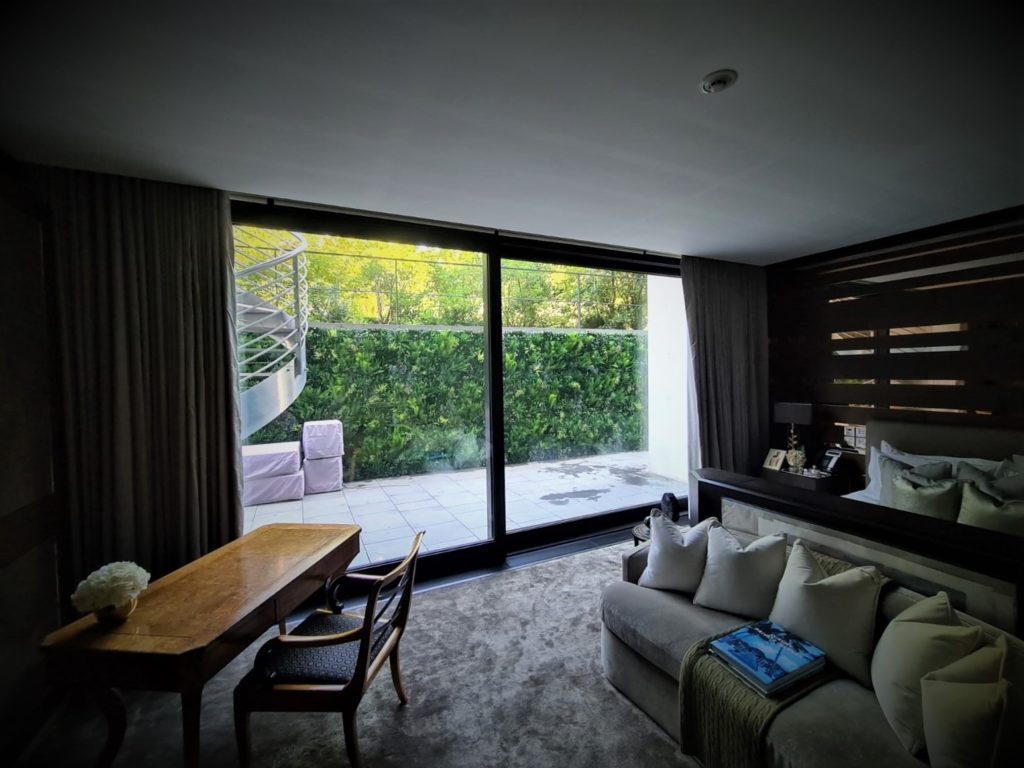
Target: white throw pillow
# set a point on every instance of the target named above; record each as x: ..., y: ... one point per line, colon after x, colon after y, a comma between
x: 836, y: 613
x: 738, y: 579
x: 925, y: 637
x: 963, y: 706
x: 677, y: 555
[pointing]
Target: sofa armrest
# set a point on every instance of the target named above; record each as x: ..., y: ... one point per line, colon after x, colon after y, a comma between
x: 633, y: 562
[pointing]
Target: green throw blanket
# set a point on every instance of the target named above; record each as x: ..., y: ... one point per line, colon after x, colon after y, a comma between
x: 722, y: 720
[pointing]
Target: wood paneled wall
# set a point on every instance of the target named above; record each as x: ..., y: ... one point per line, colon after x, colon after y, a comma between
x: 926, y: 326
x: 31, y: 516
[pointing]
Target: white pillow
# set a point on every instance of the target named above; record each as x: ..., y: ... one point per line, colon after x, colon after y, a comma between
x: 676, y: 558
x: 964, y: 705
x: 741, y: 580
x: 925, y: 637
x: 836, y: 613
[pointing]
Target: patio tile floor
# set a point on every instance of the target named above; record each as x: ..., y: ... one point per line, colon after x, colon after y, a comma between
x: 452, y: 508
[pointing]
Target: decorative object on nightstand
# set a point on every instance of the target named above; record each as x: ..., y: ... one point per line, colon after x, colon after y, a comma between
x: 794, y: 414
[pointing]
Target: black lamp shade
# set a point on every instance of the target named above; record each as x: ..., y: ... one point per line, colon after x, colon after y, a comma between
x: 794, y: 413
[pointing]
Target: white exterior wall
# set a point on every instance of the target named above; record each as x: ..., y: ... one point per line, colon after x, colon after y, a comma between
x: 667, y: 371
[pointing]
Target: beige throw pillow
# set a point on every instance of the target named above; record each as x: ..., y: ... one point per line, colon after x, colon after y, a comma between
x: 925, y: 637
x: 835, y: 613
x: 677, y: 555
x: 963, y: 706
x: 738, y: 579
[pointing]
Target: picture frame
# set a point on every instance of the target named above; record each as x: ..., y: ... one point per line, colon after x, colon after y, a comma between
x: 775, y: 459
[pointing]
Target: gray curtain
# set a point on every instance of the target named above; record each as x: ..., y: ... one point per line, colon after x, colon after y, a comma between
x: 727, y: 315
x: 145, y: 314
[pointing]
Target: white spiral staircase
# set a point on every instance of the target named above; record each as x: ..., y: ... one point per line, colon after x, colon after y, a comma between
x: 271, y: 319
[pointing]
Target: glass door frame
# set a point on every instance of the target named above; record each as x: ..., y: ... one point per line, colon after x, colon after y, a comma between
x: 496, y: 246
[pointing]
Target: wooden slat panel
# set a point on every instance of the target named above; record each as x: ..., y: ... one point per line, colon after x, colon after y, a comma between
x: 989, y: 245
x: 988, y: 273
x: 965, y: 303
x: 969, y: 397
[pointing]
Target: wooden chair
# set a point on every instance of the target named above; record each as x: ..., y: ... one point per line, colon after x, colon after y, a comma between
x: 329, y: 660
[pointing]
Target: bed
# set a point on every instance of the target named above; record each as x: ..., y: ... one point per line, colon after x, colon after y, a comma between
x: 986, y: 449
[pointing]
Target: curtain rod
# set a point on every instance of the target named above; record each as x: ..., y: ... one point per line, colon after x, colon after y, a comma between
x: 512, y: 235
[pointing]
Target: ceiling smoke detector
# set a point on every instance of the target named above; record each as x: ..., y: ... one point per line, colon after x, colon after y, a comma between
x: 718, y: 81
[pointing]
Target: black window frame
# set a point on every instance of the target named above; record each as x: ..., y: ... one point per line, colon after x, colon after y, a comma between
x: 497, y: 246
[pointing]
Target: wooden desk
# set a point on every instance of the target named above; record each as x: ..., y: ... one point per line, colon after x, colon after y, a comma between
x: 192, y: 622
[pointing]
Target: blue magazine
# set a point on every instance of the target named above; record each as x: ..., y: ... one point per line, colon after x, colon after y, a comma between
x: 768, y: 655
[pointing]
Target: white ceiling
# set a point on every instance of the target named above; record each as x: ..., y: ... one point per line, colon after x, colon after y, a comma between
x: 849, y: 121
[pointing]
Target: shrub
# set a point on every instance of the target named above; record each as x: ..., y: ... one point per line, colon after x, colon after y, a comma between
x: 413, y: 401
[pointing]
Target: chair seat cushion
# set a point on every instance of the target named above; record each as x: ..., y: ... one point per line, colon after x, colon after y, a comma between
x: 325, y: 665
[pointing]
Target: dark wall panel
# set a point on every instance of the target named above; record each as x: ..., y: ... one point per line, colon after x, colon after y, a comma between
x: 926, y: 326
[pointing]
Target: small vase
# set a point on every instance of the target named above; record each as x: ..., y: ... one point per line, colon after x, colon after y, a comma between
x: 112, y: 616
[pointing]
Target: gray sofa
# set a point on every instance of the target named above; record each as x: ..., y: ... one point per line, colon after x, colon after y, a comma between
x: 645, y: 632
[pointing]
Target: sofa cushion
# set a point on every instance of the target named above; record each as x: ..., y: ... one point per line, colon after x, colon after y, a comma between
x: 741, y: 580
x: 660, y: 626
x: 836, y: 613
x: 963, y: 706
x: 838, y: 725
x: 925, y: 637
x: 677, y: 554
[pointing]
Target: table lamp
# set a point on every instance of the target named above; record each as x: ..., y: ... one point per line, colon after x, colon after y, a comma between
x: 794, y: 414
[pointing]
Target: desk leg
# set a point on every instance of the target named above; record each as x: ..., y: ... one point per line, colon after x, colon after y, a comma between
x: 191, y: 704
x: 112, y: 706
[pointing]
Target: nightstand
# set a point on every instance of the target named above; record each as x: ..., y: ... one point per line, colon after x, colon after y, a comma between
x: 824, y: 484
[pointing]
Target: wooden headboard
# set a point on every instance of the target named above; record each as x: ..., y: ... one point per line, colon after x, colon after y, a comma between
x: 947, y: 440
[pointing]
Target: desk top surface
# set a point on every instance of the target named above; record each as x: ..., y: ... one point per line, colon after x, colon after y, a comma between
x: 195, y: 605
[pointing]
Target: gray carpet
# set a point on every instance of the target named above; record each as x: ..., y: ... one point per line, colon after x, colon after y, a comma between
x: 501, y: 671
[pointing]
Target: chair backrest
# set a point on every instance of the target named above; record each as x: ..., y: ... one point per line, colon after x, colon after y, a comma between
x: 387, y: 610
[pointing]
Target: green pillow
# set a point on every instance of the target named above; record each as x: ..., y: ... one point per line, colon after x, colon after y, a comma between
x: 963, y: 706
x: 984, y: 511
x: 935, y: 498
x: 970, y: 473
x: 890, y: 467
x: 925, y: 637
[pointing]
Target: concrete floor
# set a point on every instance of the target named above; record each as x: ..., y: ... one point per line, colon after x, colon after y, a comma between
x: 452, y: 506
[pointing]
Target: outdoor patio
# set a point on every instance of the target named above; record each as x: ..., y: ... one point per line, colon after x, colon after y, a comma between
x: 452, y: 508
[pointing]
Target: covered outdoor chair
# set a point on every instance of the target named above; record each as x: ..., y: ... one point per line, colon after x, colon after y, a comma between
x: 329, y: 660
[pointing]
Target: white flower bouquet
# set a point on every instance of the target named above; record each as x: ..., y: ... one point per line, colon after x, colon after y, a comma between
x: 111, y: 586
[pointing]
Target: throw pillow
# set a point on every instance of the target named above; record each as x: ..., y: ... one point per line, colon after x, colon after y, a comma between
x: 982, y: 510
x: 836, y: 613
x: 963, y: 705
x: 925, y: 637
x: 676, y: 558
x: 935, y: 498
x: 1005, y: 470
x: 738, y: 579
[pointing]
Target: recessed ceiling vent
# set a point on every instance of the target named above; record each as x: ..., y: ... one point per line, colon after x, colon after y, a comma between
x: 718, y: 81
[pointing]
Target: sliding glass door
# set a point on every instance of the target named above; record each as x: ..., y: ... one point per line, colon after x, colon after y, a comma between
x: 497, y: 403
x: 594, y: 402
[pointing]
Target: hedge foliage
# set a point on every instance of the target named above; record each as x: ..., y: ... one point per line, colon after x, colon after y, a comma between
x: 413, y: 401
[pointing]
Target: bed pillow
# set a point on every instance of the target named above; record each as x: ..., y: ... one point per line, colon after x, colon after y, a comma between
x: 890, y: 468
x: 983, y: 510
x: 963, y: 706
x: 677, y: 554
x: 741, y: 580
x: 916, y: 460
x: 925, y: 637
x: 933, y: 498
x: 836, y: 613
